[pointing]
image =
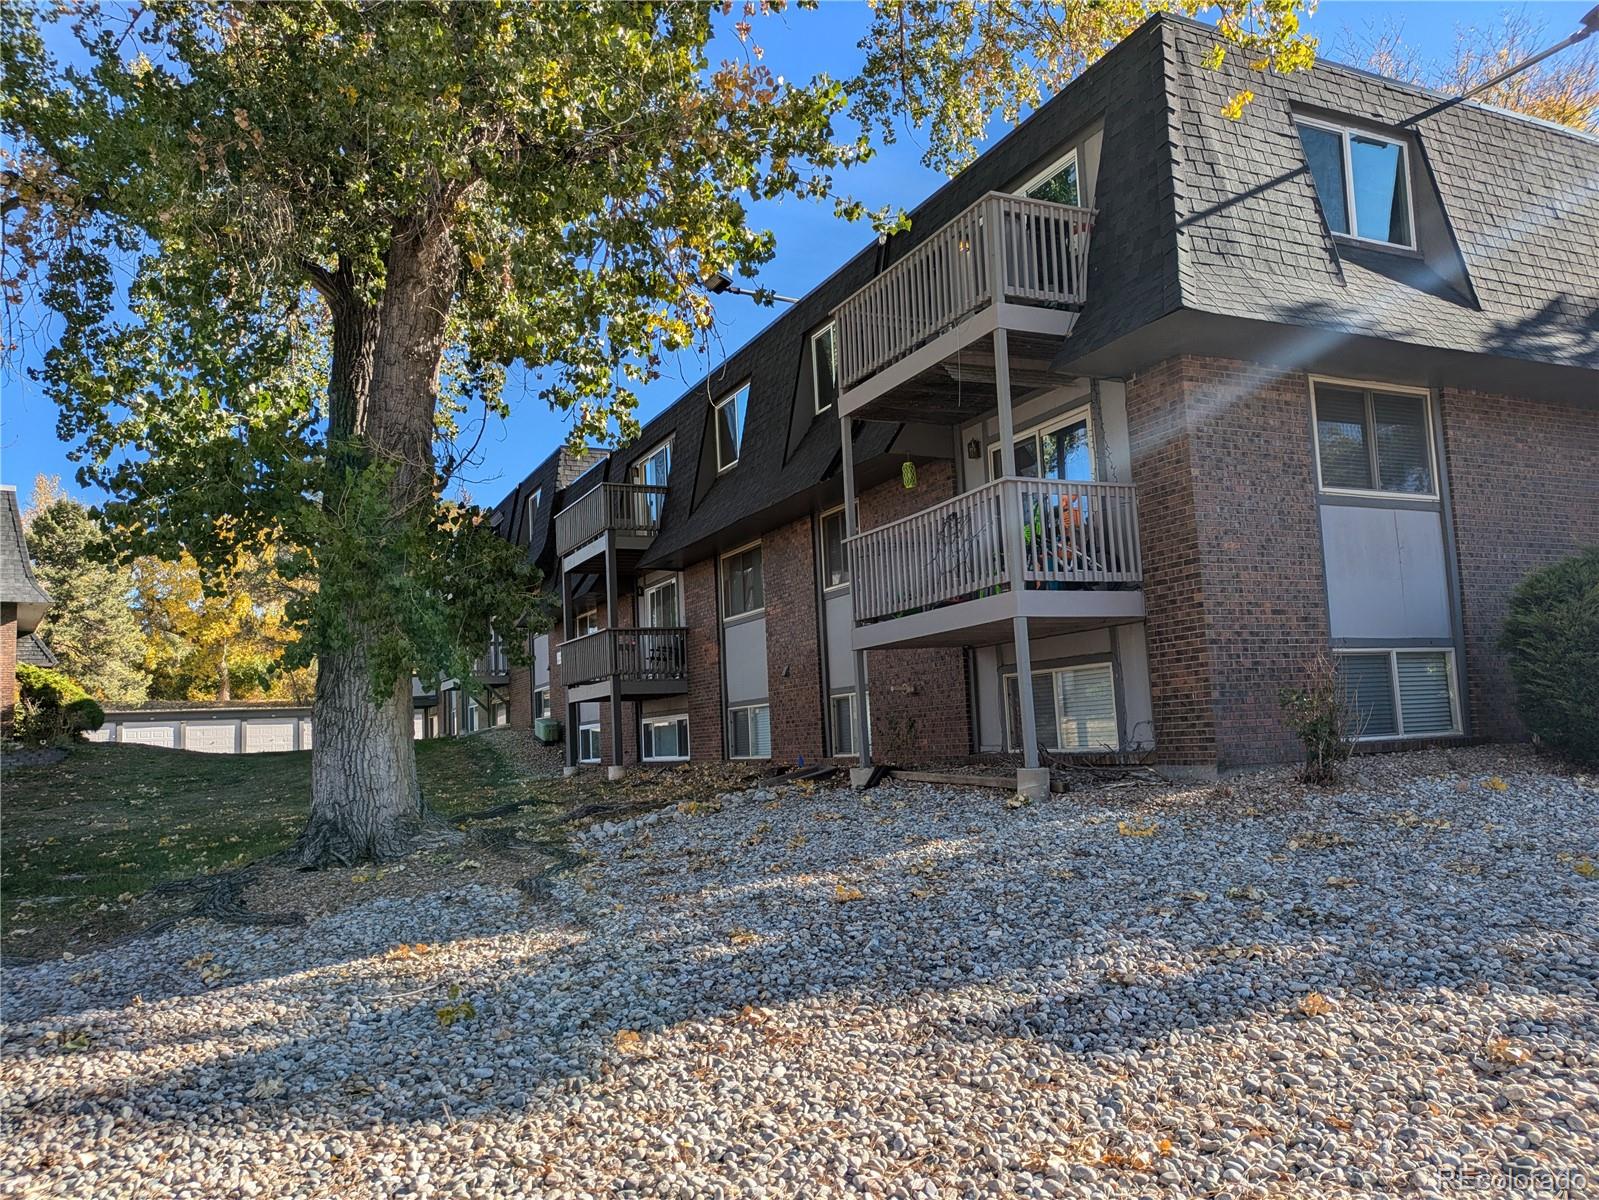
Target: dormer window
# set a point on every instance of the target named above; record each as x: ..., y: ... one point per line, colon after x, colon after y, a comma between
x: 533, y: 511
x: 730, y: 412
x: 1363, y: 182
x: 824, y: 366
x: 1057, y: 182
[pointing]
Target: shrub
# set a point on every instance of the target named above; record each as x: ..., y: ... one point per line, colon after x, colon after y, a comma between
x: 52, y: 708
x: 1552, y: 637
x: 1324, y: 721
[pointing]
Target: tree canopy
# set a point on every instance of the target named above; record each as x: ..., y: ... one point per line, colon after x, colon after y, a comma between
x: 91, y: 627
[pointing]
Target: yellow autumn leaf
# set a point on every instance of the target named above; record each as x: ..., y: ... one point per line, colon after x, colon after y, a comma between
x: 628, y: 1041
x: 1495, y: 784
x: 741, y: 937
x: 1134, y: 829
x: 845, y: 893
x: 1587, y: 868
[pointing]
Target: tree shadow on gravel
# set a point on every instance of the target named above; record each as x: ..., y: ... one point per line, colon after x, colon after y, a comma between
x: 1062, y: 925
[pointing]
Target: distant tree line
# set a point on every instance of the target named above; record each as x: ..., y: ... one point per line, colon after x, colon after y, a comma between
x: 161, y: 629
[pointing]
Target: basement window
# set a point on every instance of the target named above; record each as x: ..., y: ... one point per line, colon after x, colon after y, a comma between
x: 1074, y: 708
x: 750, y: 731
x: 1401, y: 693
x: 1363, y: 182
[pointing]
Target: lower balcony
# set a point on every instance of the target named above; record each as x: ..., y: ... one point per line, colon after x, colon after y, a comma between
x: 625, y: 663
x: 1063, y: 554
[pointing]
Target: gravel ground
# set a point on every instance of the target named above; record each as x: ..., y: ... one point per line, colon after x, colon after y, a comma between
x: 1252, y: 991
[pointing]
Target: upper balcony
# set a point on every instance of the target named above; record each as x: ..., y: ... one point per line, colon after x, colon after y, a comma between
x: 632, y: 662
x: 624, y: 516
x: 1006, y: 262
x: 1063, y: 554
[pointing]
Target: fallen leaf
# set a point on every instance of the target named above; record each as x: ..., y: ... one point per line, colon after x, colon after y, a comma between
x: 1134, y: 829
x: 1495, y: 784
x: 1314, y: 1004
x: 628, y: 1041
x: 1587, y: 868
x: 845, y: 893
x: 266, y: 1087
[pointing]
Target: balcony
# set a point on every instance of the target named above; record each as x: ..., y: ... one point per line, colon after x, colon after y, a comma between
x: 1065, y: 555
x: 626, y: 516
x: 1006, y: 262
x: 628, y: 662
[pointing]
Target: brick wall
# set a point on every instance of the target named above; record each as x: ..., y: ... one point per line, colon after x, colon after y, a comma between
x: 1181, y: 675
x: 919, y: 702
x: 8, y: 663
x: 1233, y: 570
x: 1260, y: 528
x: 704, y: 700
x: 793, y: 645
x: 1523, y: 491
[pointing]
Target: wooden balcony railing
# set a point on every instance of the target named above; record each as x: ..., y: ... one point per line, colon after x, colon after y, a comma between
x: 1063, y: 534
x: 623, y: 508
x: 630, y: 655
x: 1010, y: 247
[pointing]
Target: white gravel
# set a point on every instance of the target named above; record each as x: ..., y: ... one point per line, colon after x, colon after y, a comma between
x: 913, y: 992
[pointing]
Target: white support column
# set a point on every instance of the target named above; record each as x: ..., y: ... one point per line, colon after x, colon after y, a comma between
x: 863, y: 724
x: 1011, y: 513
x: 611, y: 622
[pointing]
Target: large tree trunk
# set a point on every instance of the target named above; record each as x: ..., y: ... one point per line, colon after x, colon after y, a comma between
x: 365, y: 802
x: 365, y: 798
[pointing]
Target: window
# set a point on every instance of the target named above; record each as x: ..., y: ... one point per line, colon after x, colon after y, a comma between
x: 841, y: 711
x: 661, y: 608
x: 824, y: 365
x: 1058, y: 182
x: 1373, y: 441
x: 1063, y: 450
x: 654, y: 470
x: 588, y: 621
x: 742, y: 589
x: 835, y: 562
x: 533, y: 511
x: 541, y: 703
x: 1074, y: 708
x: 1400, y: 693
x: 750, y: 731
x: 665, y: 739
x: 730, y: 412
x: 588, y: 743
x: 1363, y: 182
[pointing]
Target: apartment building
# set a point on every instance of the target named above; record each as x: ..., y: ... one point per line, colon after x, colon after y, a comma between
x: 1148, y: 409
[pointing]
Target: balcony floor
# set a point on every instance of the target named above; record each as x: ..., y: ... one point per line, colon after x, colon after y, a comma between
x: 988, y: 620
x: 625, y: 689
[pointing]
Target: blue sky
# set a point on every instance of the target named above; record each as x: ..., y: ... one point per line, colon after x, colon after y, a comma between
x: 811, y: 243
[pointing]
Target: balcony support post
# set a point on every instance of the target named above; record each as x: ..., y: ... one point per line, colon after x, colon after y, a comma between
x: 863, y: 724
x: 1010, y: 507
x: 612, y: 622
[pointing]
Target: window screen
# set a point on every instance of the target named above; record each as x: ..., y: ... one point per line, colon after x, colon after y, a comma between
x: 844, y: 724
x: 1402, y: 458
x: 666, y: 737
x: 835, y: 564
x: 751, y: 731
x: 1373, y: 441
x: 1425, y: 702
x: 1341, y: 437
x: 743, y: 585
x: 1369, y: 691
x: 824, y: 363
x: 1324, y: 152
x: 730, y: 413
x: 1087, y: 707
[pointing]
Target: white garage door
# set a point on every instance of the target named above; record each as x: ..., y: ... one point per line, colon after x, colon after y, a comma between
x: 164, y: 734
x: 261, y: 737
x: 212, y: 737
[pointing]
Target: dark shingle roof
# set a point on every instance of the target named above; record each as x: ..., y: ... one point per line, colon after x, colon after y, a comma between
x: 31, y: 649
x: 17, y: 583
x: 1520, y: 198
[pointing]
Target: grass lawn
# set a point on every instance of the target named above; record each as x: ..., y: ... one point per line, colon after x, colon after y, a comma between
x: 110, y: 822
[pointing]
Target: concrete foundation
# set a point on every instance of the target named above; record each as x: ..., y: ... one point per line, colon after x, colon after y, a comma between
x: 1033, y: 782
